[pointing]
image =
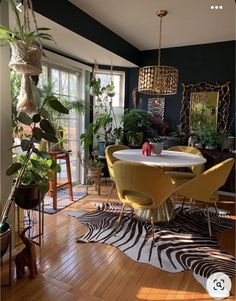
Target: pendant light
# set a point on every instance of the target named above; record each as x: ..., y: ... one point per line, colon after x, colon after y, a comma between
x: 158, y: 80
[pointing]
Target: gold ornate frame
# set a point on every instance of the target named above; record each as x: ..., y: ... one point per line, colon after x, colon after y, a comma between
x: 223, y: 103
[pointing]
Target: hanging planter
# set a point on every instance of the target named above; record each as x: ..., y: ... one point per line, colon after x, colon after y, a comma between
x: 26, y: 51
x: 25, y: 58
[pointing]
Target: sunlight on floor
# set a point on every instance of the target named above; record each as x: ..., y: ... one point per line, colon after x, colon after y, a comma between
x: 148, y: 293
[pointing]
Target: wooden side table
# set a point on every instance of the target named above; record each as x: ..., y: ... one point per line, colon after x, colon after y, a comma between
x: 54, y: 186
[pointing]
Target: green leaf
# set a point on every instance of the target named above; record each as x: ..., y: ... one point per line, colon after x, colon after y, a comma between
x: 56, y: 167
x: 44, y: 113
x: 36, y: 164
x: 35, y: 150
x: 56, y: 105
x: 13, y: 168
x: 47, y: 127
x: 49, y: 162
x: 37, y: 134
x: 25, y: 144
x: 50, y: 137
x: 24, y: 118
x: 43, y: 187
x: 37, y: 178
x: 44, y: 155
x: 36, y: 118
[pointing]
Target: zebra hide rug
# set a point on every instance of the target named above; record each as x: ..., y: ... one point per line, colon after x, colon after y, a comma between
x: 183, y: 244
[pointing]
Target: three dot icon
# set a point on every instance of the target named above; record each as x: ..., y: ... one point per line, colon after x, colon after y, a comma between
x: 216, y: 7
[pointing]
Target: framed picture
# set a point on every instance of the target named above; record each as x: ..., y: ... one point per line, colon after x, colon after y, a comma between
x: 157, y: 106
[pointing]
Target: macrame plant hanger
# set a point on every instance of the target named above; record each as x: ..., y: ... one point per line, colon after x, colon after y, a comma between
x: 26, y: 59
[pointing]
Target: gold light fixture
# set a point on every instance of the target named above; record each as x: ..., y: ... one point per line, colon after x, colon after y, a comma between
x: 159, y: 80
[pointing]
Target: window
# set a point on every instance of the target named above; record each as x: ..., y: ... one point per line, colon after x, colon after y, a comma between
x: 65, y: 85
x: 119, y: 80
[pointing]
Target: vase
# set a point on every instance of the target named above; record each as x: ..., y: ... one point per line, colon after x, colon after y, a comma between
x: 157, y: 148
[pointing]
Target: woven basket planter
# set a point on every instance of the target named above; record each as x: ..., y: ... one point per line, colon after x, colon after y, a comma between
x: 25, y: 58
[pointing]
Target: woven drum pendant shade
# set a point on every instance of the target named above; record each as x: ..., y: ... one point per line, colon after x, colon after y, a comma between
x: 160, y: 80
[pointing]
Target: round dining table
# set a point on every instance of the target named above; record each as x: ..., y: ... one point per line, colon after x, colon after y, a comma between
x: 165, y: 212
x: 165, y: 159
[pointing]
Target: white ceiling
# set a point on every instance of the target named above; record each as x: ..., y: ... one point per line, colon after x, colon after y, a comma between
x: 188, y: 22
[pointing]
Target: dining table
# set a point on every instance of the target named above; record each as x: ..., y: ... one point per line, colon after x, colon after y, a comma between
x: 170, y: 159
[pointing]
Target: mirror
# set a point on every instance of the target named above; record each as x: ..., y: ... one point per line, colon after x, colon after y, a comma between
x: 204, y: 102
x: 203, y: 109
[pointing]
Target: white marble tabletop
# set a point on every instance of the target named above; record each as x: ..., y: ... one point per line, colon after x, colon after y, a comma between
x: 165, y: 159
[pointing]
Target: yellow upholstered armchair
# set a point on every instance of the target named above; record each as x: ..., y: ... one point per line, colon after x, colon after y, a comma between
x: 111, y: 160
x: 180, y: 177
x: 204, y: 187
x: 140, y: 186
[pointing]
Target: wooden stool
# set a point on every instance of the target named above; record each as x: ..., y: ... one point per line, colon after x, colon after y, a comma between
x: 60, y: 155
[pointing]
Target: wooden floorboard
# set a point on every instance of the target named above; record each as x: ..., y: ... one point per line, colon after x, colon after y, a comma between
x: 71, y: 271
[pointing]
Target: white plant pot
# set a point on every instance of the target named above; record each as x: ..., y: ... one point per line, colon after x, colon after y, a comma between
x: 157, y: 148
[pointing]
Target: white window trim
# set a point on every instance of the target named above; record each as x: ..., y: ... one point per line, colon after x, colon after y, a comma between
x: 122, y: 85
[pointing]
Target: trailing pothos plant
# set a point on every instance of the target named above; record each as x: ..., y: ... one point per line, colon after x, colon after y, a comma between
x: 33, y: 161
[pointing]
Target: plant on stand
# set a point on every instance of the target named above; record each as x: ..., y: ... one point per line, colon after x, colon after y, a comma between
x: 33, y: 164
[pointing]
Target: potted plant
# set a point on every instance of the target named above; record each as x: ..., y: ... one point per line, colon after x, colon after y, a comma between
x: 157, y: 144
x: 135, y: 124
x: 25, y: 44
x: 35, y: 180
x: 209, y: 136
x: 56, y: 118
x: 40, y: 128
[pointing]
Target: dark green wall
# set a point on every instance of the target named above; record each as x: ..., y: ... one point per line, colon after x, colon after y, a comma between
x: 198, y: 63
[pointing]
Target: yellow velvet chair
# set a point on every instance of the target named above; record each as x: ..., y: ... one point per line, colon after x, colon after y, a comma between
x: 180, y: 177
x: 204, y: 187
x: 140, y: 186
x: 111, y: 160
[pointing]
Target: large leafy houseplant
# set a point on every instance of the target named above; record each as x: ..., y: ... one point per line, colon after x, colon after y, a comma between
x: 104, y: 128
x: 57, y: 118
x: 135, y: 124
x: 209, y: 136
x: 32, y: 162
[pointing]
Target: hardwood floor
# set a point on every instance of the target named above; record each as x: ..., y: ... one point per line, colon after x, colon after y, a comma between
x: 69, y: 271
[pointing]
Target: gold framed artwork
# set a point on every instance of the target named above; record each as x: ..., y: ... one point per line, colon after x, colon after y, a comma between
x: 204, y: 103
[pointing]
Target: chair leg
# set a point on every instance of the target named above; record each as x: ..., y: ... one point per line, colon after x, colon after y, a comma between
x: 208, y: 220
x: 217, y: 212
x: 153, y: 229
x: 87, y: 186
x: 119, y: 219
x: 191, y: 201
x: 183, y: 203
x: 112, y: 187
x: 132, y: 213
